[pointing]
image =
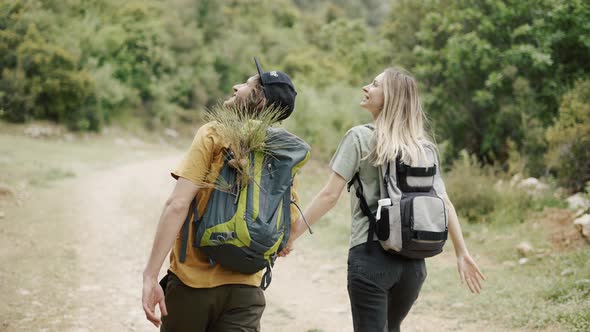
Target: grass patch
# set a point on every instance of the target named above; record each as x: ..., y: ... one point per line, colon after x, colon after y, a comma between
x: 551, y: 289
x: 26, y: 161
x: 570, y: 294
x: 47, y: 176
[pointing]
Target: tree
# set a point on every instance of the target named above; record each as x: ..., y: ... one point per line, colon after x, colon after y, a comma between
x: 569, y: 138
x: 493, y: 71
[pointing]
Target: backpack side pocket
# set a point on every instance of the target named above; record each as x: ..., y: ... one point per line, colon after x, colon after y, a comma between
x: 390, y: 227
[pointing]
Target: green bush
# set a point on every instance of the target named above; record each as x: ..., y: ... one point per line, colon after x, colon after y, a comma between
x: 46, y: 84
x: 569, y: 138
x: 470, y: 189
x: 483, y: 193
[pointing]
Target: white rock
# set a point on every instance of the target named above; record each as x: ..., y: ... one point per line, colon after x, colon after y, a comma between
x: 458, y: 305
x: 136, y: 142
x: 2, y: 215
x: 583, y: 225
x: 577, y: 202
x: 533, y: 186
x: 36, y: 131
x: 515, y: 179
x: 524, y: 249
x: 499, y: 185
x: 567, y: 272
x: 523, y: 261
x: 316, y: 277
x: 33, y: 131
x: 171, y: 133
x: 120, y: 141
x: 509, y: 263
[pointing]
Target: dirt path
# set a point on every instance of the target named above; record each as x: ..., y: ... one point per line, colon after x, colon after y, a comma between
x: 308, y: 293
x: 71, y: 259
x: 73, y: 254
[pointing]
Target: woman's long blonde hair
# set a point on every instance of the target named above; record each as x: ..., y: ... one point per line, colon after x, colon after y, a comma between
x: 400, y: 126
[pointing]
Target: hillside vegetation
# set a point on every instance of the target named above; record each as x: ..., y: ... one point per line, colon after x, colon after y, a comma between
x: 499, y: 77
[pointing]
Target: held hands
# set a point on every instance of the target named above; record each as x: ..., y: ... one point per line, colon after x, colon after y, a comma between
x: 470, y: 273
x: 287, y: 250
x: 296, y: 231
x: 152, y: 295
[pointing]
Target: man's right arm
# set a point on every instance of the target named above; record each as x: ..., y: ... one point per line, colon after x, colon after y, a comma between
x: 169, y: 225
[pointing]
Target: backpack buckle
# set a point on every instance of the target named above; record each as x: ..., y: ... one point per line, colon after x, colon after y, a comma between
x: 351, y: 182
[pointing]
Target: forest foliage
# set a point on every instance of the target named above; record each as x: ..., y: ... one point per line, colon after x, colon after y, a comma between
x: 498, y: 77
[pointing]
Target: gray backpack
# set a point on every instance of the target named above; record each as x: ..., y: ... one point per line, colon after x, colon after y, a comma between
x: 411, y: 219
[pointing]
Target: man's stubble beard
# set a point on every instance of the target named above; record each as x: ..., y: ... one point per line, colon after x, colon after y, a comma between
x: 234, y: 102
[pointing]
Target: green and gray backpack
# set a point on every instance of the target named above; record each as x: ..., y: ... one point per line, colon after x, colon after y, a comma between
x: 245, y: 225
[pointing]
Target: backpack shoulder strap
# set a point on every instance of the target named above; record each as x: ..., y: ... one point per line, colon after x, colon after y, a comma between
x: 356, y: 181
x: 185, y: 228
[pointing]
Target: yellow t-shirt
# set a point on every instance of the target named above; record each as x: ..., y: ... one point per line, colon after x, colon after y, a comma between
x: 201, y: 165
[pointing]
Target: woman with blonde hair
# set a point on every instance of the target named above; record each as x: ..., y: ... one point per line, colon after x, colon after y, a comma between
x: 383, y: 286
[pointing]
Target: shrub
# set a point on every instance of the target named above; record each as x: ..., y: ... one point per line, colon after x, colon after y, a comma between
x: 471, y: 190
x: 46, y: 84
x: 483, y: 193
x: 569, y: 138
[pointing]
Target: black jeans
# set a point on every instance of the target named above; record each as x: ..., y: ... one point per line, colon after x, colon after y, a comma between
x: 382, y: 287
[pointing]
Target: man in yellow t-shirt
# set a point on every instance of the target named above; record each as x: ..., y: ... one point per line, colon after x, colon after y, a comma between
x: 199, y: 296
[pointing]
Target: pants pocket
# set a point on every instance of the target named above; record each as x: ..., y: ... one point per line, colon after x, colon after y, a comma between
x: 247, y: 295
x: 172, y: 282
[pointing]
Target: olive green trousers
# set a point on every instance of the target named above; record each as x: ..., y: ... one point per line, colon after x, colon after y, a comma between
x: 227, y: 308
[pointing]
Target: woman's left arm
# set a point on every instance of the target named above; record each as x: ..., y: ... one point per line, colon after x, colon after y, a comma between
x: 468, y: 269
x: 323, y: 202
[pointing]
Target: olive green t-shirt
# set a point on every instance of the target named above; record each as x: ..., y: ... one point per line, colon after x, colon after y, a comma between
x: 347, y: 161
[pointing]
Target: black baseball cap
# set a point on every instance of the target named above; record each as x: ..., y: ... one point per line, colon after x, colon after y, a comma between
x: 278, y: 90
